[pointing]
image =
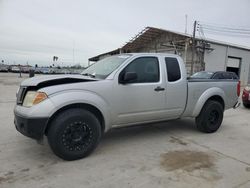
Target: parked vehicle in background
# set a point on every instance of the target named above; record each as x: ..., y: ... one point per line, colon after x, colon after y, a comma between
x: 44, y: 70
x: 56, y: 70
x: 52, y: 70
x: 4, y: 68
x: 65, y: 71
x: 37, y: 70
x: 76, y: 71
x: 26, y: 69
x: 74, y: 111
x: 15, y: 69
x: 214, y: 75
x: 246, y: 96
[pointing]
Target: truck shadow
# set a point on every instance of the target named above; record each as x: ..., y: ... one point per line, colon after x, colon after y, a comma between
x: 166, y: 128
x: 118, y: 137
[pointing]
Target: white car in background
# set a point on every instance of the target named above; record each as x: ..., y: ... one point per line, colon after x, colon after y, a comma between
x: 15, y: 69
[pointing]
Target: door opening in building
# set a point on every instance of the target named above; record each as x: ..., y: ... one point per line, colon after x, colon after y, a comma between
x: 233, y: 65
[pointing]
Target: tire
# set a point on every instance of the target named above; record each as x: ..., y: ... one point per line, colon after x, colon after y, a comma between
x: 246, y: 105
x: 74, y: 134
x: 210, y: 117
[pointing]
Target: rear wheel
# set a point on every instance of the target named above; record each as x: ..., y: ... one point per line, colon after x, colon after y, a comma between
x: 74, y: 134
x: 210, y: 117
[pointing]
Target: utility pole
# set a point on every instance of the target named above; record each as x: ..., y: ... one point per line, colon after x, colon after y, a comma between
x: 185, y: 53
x: 186, y: 17
x: 73, y: 52
x: 193, y: 48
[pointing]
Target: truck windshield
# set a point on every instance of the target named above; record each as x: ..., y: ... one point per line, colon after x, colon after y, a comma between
x: 101, y: 69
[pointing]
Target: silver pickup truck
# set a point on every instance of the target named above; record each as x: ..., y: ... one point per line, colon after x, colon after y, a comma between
x: 74, y: 111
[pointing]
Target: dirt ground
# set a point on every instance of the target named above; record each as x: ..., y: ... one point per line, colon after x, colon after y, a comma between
x: 170, y: 154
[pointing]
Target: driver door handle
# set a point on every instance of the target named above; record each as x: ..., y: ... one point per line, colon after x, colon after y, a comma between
x: 159, y: 89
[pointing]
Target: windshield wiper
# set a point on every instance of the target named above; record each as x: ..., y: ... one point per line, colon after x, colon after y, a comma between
x: 88, y: 74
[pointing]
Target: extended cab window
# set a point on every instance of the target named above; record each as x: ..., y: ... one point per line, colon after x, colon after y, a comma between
x: 173, y: 69
x: 146, y: 68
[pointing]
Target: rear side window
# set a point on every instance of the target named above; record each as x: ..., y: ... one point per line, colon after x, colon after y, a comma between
x: 173, y: 69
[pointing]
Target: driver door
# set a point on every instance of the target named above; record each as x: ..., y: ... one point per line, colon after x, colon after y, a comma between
x: 141, y: 99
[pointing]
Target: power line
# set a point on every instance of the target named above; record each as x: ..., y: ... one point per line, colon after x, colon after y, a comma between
x: 223, y: 25
x: 225, y: 30
x: 219, y: 30
x: 227, y: 34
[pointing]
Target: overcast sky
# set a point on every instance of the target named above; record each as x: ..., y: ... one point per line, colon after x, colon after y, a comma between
x: 34, y: 31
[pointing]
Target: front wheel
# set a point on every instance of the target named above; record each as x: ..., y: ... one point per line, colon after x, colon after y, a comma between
x: 210, y: 117
x: 74, y: 134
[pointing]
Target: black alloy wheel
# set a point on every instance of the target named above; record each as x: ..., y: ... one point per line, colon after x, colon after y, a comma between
x: 74, y: 134
x: 210, y: 118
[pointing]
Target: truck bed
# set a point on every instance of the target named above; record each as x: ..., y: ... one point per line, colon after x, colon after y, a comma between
x: 199, y: 88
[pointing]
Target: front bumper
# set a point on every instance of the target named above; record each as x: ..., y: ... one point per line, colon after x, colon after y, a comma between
x: 31, y: 127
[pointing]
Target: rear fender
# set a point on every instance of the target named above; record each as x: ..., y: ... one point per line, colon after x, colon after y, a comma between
x: 211, y: 92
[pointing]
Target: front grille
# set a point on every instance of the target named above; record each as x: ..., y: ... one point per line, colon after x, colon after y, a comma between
x: 20, y: 95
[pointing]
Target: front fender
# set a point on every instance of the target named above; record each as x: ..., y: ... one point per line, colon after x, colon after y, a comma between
x: 214, y: 91
x: 65, y: 98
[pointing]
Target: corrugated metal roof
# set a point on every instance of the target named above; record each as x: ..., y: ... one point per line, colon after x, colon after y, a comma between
x: 145, y: 36
x: 96, y: 58
x: 149, y: 34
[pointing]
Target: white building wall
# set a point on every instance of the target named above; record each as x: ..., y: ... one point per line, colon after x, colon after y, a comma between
x: 216, y: 60
x: 245, y: 63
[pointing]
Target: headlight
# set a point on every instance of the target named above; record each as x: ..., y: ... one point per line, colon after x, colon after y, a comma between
x: 33, y: 97
x: 247, y: 88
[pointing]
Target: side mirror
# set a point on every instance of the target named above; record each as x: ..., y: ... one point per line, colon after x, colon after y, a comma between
x: 128, y: 76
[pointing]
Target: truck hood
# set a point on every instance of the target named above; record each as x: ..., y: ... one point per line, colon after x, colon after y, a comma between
x: 50, y: 80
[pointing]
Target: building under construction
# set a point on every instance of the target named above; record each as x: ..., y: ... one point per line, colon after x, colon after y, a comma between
x: 198, y: 54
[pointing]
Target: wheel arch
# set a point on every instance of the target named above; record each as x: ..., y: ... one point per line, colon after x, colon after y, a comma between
x: 85, y: 106
x: 218, y: 99
x: 215, y: 94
